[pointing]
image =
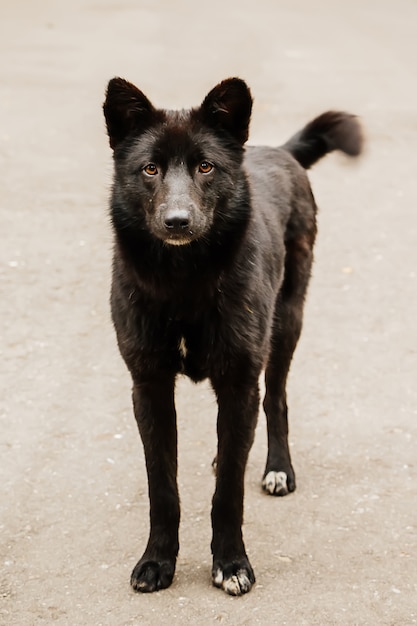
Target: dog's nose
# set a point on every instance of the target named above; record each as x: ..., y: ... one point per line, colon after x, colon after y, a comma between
x: 177, y: 220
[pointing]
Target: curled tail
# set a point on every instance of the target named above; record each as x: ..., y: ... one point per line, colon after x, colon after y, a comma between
x: 330, y: 131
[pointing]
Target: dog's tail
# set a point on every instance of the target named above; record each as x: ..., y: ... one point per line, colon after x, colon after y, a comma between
x: 330, y: 131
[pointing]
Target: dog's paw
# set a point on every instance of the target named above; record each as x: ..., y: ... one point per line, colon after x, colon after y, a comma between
x: 278, y: 483
x: 234, y: 578
x: 148, y: 576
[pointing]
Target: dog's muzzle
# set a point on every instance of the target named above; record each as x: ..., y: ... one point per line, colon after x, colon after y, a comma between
x: 178, y: 225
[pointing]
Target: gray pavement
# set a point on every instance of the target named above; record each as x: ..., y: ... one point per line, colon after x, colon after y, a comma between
x: 342, y: 549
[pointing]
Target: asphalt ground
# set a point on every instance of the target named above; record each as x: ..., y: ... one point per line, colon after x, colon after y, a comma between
x: 74, y: 510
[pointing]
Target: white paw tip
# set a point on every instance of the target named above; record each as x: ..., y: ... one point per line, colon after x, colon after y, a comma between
x: 274, y: 482
x: 218, y: 578
x: 238, y: 584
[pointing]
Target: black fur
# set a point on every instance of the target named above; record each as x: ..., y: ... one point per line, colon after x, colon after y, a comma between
x: 212, y: 257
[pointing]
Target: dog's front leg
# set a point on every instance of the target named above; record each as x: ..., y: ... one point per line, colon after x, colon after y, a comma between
x: 238, y: 409
x: 156, y: 418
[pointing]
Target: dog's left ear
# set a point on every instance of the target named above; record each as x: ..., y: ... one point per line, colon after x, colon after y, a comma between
x: 228, y: 108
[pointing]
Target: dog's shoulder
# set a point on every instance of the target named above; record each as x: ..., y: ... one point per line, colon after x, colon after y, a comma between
x: 272, y: 166
x: 277, y: 182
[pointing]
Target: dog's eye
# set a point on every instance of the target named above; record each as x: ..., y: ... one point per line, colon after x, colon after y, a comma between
x: 205, y: 167
x: 150, y: 169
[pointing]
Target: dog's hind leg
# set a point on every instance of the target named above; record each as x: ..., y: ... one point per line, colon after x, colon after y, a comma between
x: 279, y: 476
x: 156, y: 418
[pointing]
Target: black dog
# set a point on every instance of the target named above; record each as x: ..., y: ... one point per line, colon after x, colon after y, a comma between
x: 212, y: 257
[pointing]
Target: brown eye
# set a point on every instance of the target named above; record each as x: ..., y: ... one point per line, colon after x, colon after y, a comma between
x: 205, y: 167
x: 150, y: 169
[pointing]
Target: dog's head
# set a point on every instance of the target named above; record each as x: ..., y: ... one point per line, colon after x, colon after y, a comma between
x: 178, y: 169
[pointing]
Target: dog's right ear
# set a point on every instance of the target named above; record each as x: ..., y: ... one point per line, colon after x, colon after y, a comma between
x: 126, y: 109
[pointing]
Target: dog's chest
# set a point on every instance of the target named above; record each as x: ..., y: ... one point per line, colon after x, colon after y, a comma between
x: 183, y: 349
x: 195, y: 352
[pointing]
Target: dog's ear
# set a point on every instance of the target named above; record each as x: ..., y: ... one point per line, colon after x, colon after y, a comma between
x: 228, y: 108
x: 126, y: 109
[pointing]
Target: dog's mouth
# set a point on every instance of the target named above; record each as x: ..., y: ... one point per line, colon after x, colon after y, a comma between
x: 175, y: 237
x: 179, y: 239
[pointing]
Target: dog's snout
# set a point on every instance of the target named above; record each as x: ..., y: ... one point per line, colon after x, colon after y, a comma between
x: 177, y: 220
